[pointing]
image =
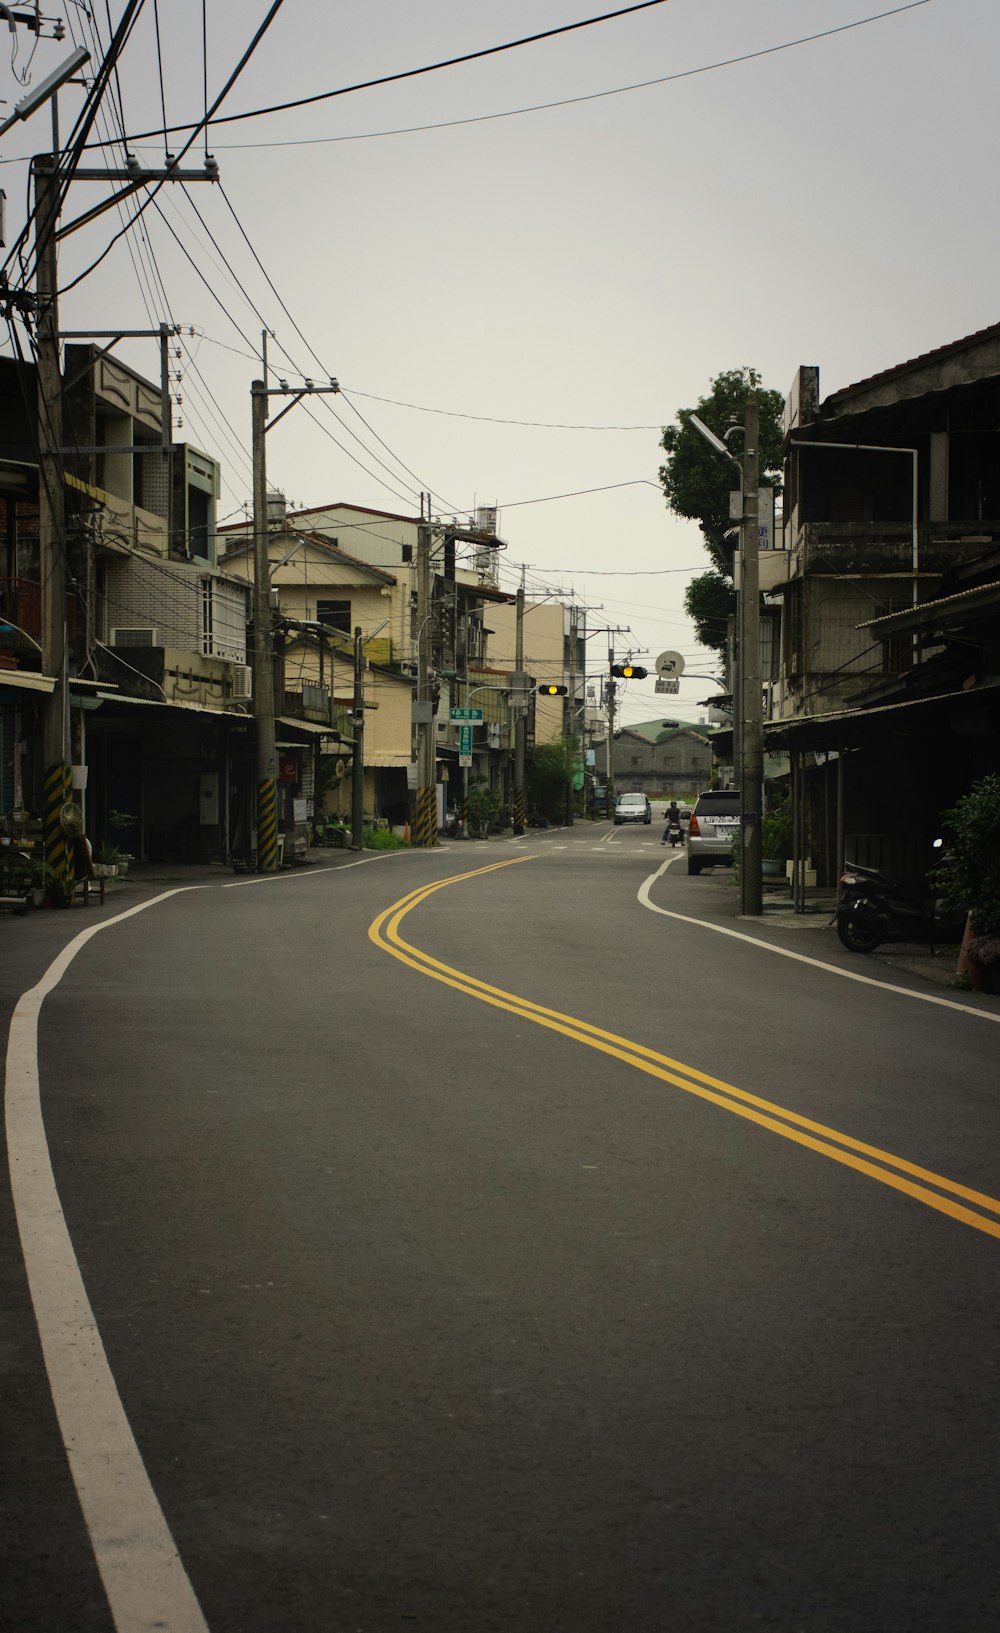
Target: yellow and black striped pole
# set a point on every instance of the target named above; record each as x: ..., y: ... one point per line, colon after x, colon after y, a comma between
x: 426, y: 834
x: 57, y: 842
x: 519, y: 823
x: 267, y: 826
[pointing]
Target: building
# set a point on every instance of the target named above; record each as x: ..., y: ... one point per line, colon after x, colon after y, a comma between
x: 339, y: 567
x: 156, y: 660
x: 881, y: 690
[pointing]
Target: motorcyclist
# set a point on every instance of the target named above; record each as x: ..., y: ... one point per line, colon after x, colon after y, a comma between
x: 673, y: 829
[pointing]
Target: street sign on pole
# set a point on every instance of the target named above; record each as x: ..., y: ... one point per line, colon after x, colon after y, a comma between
x: 465, y: 745
x: 475, y: 715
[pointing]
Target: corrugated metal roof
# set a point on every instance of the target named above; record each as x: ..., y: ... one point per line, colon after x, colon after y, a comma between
x: 935, y: 356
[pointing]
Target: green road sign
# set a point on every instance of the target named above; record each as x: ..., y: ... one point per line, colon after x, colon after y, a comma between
x: 466, y: 714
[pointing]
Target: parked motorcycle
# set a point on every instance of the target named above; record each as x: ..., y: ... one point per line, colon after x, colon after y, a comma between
x: 876, y: 907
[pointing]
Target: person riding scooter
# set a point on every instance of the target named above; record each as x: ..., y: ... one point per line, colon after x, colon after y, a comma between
x: 673, y: 833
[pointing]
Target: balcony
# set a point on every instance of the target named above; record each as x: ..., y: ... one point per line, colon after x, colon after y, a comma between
x: 860, y: 547
x: 312, y: 702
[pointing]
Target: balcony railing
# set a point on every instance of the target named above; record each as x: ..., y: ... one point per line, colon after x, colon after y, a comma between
x: 860, y: 547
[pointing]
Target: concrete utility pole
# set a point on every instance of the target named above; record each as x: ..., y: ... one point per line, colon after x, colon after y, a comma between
x: 521, y: 713
x: 51, y: 517
x: 358, y: 766
x: 426, y: 829
x: 609, y: 783
x: 263, y: 637
x: 570, y: 716
x: 750, y: 699
x: 51, y: 493
x: 263, y: 645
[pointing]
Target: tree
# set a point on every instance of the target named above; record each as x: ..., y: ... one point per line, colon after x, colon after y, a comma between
x: 696, y: 480
x: 708, y: 601
x: 548, y: 773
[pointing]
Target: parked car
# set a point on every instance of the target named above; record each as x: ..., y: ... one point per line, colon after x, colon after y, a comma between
x: 632, y: 808
x: 715, y: 822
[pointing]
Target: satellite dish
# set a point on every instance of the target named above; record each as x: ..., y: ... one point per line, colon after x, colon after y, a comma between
x: 670, y: 663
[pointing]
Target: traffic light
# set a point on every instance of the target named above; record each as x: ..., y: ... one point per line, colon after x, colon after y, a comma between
x: 629, y: 671
x: 552, y: 691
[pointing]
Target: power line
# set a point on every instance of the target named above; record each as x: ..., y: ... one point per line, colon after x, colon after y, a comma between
x: 542, y: 107
x: 493, y: 419
x: 410, y: 73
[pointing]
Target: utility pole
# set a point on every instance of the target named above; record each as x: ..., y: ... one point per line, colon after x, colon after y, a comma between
x: 426, y: 831
x: 263, y: 644
x: 521, y: 713
x: 51, y: 492
x: 609, y: 786
x: 750, y: 698
x: 263, y: 634
x: 570, y: 716
x: 51, y: 517
x: 358, y: 764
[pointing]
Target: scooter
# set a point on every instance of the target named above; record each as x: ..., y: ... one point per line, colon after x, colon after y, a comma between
x: 674, y: 835
x: 875, y: 907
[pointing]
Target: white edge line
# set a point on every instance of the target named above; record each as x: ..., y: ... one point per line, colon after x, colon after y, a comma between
x: 145, y: 1582
x: 802, y: 958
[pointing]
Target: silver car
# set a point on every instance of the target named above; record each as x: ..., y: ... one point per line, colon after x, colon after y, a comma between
x: 632, y: 808
x: 715, y: 822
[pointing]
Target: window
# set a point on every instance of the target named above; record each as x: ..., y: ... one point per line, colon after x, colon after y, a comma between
x: 335, y: 613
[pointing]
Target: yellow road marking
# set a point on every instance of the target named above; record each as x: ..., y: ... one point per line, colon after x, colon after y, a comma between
x: 857, y: 1154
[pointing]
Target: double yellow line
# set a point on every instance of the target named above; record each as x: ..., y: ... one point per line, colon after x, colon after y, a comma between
x: 876, y: 1164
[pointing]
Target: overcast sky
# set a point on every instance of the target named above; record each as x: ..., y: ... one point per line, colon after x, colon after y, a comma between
x: 592, y: 264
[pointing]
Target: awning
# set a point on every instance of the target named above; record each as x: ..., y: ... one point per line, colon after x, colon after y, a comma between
x: 846, y: 728
x: 26, y: 682
x: 158, y: 703
x: 388, y: 759
x: 310, y: 727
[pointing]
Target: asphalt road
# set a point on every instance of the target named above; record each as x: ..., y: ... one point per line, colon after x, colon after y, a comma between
x: 530, y: 1258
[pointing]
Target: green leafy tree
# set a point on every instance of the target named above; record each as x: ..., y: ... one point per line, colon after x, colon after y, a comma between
x: 708, y: 601
x: 483, y: 808
x: 696, y: 480
x: 969, y: 876
x: 548, y: 772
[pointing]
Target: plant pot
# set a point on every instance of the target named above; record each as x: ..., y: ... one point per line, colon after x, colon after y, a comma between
x: 772, y: 867
x: 38, y: 894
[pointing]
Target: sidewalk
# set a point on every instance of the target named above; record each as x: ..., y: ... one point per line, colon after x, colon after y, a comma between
x: 820, y: 910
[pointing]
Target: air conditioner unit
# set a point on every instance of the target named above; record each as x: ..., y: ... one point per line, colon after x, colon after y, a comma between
x: 135, y: 635
x: 242, y: 680
x: 408, y: 669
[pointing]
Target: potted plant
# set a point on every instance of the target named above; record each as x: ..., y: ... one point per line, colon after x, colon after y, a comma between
x: 968, y: 878
x: 43, y: 876
x: 776, y: 838
x: 107, y: 859
x: 61, y: 888
x: 118, y: 821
